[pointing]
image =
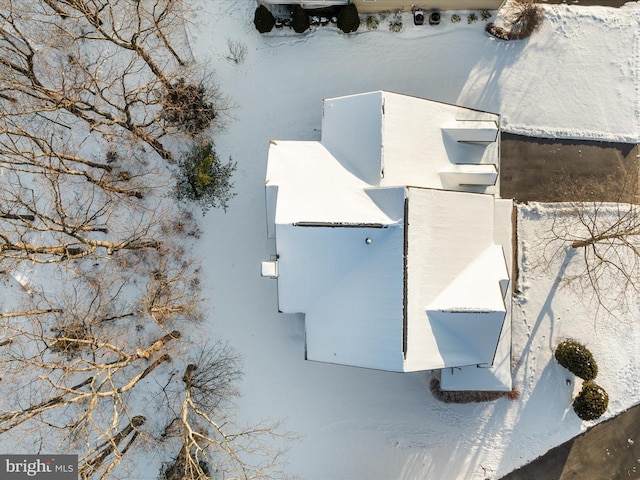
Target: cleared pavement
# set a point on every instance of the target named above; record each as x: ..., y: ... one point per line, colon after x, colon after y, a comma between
x: 536, y: 169
x: 607, y: 451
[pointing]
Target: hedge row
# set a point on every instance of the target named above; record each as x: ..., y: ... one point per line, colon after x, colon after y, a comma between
x: 348, y: 19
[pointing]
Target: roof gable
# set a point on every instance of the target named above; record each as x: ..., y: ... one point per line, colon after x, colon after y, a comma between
x: 352, y: 132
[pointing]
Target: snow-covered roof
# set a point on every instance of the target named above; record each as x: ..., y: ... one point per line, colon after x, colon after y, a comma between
x: 394, y: 266
x: 455, y: 306
x: 390, y: 139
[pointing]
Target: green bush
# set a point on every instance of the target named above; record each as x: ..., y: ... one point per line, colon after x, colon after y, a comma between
x: 348, y: 18
x: 202, y: 178
x: 299, y: 19
x: 576, y: 358
x: 263, y: 19
x: 591, y: 402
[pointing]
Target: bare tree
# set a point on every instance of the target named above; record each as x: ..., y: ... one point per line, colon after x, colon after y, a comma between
x: 602, y: 225
x: 53, y: 53
x: 210, y: 444
x: 237, y: 51
x: 42, y: 150
x: 92, y: 95
x: 75, y: 385
x: 76, y: 363
x: 55, y: 217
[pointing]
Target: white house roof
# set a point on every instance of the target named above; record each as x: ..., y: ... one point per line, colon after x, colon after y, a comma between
x: 392, y: 139
x: 496, y: 377
x: 454, y: 271
x: 391, y: 270
x: 325, y: 190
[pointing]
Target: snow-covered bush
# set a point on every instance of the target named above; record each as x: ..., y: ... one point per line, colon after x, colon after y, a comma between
x: 395, y: 23
x: 202, y: 178
x: 576, y: 358
x: 263, y: 19
x: 496, y: 31
x: 455, y: 18
x: 591, y: 402
x: 299, y: 19
x: 372, y: 22
x: 348, y: 18
x: 472, y: 18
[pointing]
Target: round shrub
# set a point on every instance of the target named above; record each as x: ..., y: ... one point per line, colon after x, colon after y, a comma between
x: 576, y: 358
x: 348, y: 18
x: 263, y: 19
x: 299, y: 19
x: 591, y: 402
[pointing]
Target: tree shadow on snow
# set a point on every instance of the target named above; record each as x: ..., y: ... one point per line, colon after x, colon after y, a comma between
x: 546, y: 312
x: 482, y: 89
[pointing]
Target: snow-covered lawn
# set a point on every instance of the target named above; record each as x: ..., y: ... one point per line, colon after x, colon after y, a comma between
x: 577, y: 77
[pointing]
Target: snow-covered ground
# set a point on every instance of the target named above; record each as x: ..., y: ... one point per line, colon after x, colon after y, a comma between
x: 577, y: 77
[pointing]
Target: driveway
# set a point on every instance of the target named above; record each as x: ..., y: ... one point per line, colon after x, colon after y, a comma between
x: 607, y: 451
x: 533, y: 169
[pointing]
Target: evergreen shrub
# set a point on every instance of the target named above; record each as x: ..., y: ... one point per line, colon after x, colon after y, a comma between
x: 591, y: 402
x: 348, y: 18
x: 299, y: 19
x: 576, y: 358
x: 263, y: 19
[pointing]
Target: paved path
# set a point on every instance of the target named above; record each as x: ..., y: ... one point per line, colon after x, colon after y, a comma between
x: 532, y: 168
x: 607, y: 451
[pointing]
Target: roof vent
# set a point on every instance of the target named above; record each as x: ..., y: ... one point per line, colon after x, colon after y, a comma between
x: 270, y: 269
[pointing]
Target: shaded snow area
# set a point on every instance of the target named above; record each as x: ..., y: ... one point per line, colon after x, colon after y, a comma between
x: 576, y: 77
